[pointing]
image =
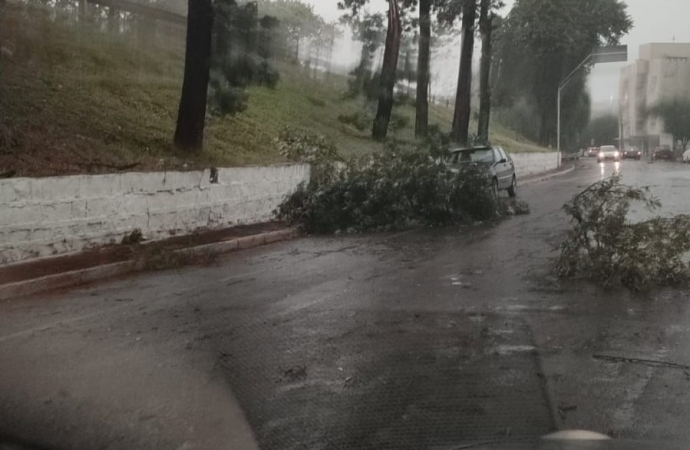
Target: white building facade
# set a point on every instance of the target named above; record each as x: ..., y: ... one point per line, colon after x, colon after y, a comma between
x: 662, y: 72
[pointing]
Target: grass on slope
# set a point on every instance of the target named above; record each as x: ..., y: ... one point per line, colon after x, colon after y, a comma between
x: 77, y: 100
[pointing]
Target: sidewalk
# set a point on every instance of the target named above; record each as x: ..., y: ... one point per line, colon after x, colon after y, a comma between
x: 47, y: 274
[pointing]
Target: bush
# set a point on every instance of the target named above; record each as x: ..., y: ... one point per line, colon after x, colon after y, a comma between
x: 399, y: 122
x: 605, y: 247
x: 372, y: 87
x: 309, y: 148
x: 402, y: 98
x: 266, y: 75
x: 225, y: 99
x: 305, y: 147
x: 316, y: 101
x: 361, y: 121
x: 361, y: 78
x: 390, y: 190
x: 437, y: 142
x: 230, y: 77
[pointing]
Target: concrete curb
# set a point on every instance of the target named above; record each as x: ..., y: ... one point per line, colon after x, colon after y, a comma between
x: 99, y: 273
x: 547, y: 177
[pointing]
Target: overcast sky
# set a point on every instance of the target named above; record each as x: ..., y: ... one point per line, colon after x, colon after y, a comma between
x: 654, y: 21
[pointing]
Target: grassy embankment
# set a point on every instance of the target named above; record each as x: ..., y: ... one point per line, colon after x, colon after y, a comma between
x: 77, y: 100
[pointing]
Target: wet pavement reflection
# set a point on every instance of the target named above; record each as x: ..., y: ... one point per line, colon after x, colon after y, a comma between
x: 420, y: 339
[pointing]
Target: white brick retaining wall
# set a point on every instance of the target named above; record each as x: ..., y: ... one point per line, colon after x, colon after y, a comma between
x: 48, y: 216
x: 533, y: 163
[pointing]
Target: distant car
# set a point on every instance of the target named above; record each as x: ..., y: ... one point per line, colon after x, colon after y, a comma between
x: 663, y: 154
x: 608, y: 152
x: 593, y: 151
x: 498, y: 162
x: 686, y: 157
x: 632, y: 153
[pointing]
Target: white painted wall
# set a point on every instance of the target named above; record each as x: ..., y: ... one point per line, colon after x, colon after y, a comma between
x: 533, y: 163
x: 48, y: 216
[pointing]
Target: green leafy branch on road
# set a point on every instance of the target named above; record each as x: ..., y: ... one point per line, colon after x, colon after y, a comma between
x: 400, y: 187
x: 606, y: 247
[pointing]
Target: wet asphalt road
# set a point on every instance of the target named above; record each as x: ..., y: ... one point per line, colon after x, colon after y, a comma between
x: 425, y: 339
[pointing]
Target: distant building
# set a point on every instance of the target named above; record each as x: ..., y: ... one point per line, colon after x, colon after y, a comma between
x: 661, y: 72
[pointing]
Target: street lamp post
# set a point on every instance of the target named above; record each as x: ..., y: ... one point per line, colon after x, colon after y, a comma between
x: 617, y: 53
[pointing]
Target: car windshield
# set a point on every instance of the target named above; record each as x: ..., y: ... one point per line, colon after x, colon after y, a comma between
x: 479, y: 155
x: 343, y: 224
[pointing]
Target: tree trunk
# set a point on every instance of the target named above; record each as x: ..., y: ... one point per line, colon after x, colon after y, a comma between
x: 461, y: 118
x: 113, y: 19
x: 486, y: 28
x: 423, y: 70
x: 189, y: 134
x: 388, y: 72
x: 363, y: 70
x: 82, y: 9
x: 318, y: 61
x: 331, y: 44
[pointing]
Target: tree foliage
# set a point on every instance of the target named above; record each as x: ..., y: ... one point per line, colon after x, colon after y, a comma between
x: 324, y: 43
x: 603, y: 130
x: 542, y: 41
x: 298, y: 24
x: 241, y: 55
x: 676, y: 116
x: 446, y: 12
x: 370, y: 31
x: 407, y: 69
x: 393, y: 189
x: 606, y: 247
x: 394, y: 32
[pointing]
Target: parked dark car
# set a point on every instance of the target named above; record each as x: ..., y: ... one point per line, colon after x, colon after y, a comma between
x: 632, y: 153
x: 663, y: 154
x: 498, y: 162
